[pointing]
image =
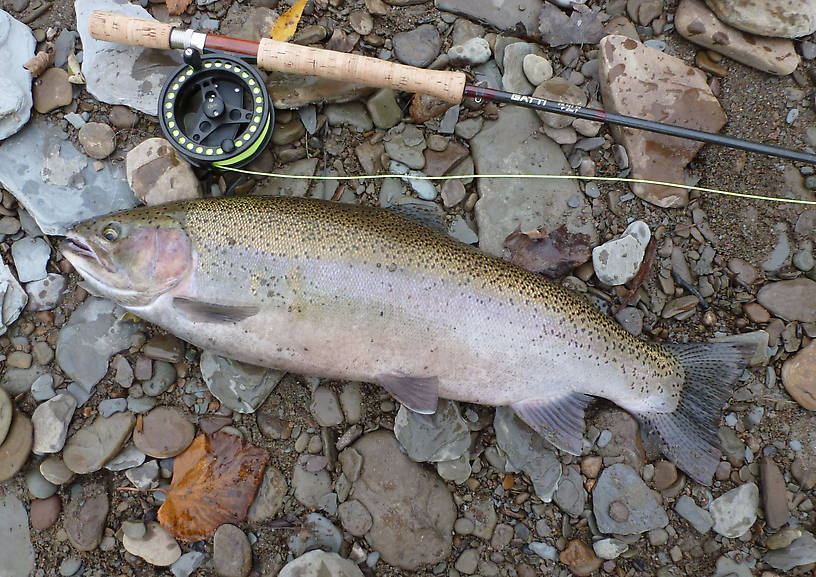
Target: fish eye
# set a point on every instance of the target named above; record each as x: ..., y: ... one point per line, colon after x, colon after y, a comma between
x: 111, y: 232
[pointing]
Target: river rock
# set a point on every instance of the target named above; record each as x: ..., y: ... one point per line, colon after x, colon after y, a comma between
x: 156, y: 546
x: 13, y: 298
x: 418, y: 47
x: 503, y: 205
x: 318, y: 533
x: 698, y: 517
x: 784, y: 18
x: 85, y: 517
x: 157, y: 173
x: 403, y: 499
x: 527, y: 451
x: 239, y: 386
x: 232, y: 554
x: 310, y: 487
x: 735, y: 511
x: 16, y: 447
x: 93, y: 445
x: 52, y: 90
x: 570, y: 495
x: 801, y: 552
x: 45, y: 512
x: 91, y: 336
x: 443, y: 436
x: 793, y: 300
x: 6, y: 414
x: 97, y: 139
x: 616, y: 262
x: 16, y: 549
x: 680, y: 94
x: 51, y: 420
x: 17, y: 46
x: 471, y: 52
x: 798, y: 376
x: 164, y: 433
x: 774, y: 497
x: 30, y: 258
x: 501, y: 14
x: 320, y: 564
x: 624, y: 505
x: 121, y: 74
x: 45, y: 294
x: 64, y: 187
x: 695, y: 22
x: 513, y: 78
x: 269, y: 498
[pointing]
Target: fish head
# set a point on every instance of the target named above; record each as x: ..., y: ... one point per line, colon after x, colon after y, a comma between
x: 130, y: 257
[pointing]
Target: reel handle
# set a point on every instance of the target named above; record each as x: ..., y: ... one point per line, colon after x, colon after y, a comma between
x: 123, y: 29
x: 294, y: 58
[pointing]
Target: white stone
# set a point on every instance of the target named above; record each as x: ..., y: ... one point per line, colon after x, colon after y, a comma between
x: 537, y: 69
x: 51, y: 421
x: 735, y: 512
x: 320, y: 564
x: 616, y: 262
x: 474, y: 51
x: 157, y: 546
x: 784, y: 18
x: 609, y: 548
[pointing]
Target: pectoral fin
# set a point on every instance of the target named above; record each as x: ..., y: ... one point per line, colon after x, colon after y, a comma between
x: 560, y: 420
x: 204, y: 312
x: 421, y: 395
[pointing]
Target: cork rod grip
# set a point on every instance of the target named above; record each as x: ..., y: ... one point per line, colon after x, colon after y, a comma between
x: 285, y: 57
x: 128, y: 30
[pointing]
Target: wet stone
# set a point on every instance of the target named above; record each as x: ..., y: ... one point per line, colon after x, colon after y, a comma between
x: 93, y: 445
x: 85, y: 517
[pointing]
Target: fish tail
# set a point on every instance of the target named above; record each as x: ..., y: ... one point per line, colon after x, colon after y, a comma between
x: 688, y: 435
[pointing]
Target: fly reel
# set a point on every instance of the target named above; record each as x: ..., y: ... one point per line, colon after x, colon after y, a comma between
x: 215, y: 110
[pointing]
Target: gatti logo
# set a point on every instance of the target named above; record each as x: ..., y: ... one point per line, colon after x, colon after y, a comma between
x: 528, y: 99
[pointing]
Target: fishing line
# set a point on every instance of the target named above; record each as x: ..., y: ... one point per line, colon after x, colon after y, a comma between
x: 534, y: 176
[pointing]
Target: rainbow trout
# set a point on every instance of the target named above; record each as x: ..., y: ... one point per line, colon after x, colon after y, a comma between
x: 356, y: 293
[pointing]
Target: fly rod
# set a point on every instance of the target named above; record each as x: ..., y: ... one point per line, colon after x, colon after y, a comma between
x: 450, y: 86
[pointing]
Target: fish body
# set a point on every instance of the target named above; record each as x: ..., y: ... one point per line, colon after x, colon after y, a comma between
x: 357, y: 293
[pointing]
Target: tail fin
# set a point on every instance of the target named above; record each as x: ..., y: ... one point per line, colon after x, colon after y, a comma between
x: 688, y: 435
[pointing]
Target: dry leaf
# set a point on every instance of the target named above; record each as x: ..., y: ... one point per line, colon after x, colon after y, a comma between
x: 286, y: 24
x: 552, y: 255
x: 41, y: 61
x: 176, y: 7
x: 583, y: 26
x: 214, y: 482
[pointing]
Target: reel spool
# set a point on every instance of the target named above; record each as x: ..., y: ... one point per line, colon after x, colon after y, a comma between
x: 215, y: 110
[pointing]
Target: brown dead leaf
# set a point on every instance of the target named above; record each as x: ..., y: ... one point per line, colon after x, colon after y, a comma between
x: 176, y: 7
x: 286, y: 24
x: 214, y: 482
x: 553, y: 255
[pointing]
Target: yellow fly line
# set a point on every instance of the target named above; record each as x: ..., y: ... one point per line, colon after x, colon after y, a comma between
x: 534, y: 176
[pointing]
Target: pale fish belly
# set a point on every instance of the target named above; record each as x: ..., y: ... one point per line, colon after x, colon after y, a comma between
x: 359, y: 321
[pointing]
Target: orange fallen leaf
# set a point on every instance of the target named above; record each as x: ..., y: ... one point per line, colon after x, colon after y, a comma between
x: 214, y: 482
x: 176, y: 7
x: 286, y: 24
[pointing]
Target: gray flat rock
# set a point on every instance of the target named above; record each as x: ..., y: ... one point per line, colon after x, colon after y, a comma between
x: 239, y: 386
x: 30, y: 257
x: 503, y: 14
x: 12, y: 297
x: 527, y: 451
x: 64, y: 188
x: 624, y: 505
x: 119, y: 74
x: 735, y: 512
x: 443, y: 436
x: 17, y: 45
x: 94, y: 445
x: 801, y: 552
x: 15, y: 546
x: 89, y: 339
x: 505, y: 204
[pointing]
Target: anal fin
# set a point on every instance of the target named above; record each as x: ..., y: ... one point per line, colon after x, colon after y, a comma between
x: 560, y: 420
x: 420, y: 394
x: 212, y: 312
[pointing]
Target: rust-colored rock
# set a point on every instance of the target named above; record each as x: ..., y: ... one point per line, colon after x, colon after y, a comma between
x: 646, y: 83
x: 580, y: 558
x: 799, y: 377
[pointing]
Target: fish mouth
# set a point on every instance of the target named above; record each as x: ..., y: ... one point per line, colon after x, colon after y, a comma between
x: 75, y: 246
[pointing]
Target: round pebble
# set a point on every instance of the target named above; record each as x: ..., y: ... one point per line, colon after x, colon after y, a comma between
x: 98, y: 140
x: 70, y: 566
x: 537, y: 69
x: 232, y: 554
x: 156, y: 546
x: 355, y: 517
x: 164, y: 433
x: 15, y: 449
x: 45, y: 512
x: 164, y: 375
x: 38, y: 486
x: 6, y: 411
